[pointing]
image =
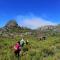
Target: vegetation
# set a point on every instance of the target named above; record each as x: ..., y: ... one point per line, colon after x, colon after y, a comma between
x: 48, y: 49
x: 40, y: 50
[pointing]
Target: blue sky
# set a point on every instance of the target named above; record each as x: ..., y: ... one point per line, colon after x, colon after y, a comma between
x: 30, y: 13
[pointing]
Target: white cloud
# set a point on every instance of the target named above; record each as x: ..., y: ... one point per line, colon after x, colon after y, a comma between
x: 33, y: 21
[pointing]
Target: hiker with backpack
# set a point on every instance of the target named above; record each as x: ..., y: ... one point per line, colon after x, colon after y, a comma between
x: 27, y: 42
x: 17, y: 49
x: 22, y: 42
x: 28, y: 45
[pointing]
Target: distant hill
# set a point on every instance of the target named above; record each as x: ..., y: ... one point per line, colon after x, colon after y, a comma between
x: 48, y: 30
x: 11, y: 24
x: 12, y: 28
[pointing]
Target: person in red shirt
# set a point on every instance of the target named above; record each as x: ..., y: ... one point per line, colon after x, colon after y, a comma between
x: 17, y: 48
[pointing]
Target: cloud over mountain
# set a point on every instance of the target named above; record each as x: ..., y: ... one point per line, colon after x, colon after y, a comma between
x: 32, y: 21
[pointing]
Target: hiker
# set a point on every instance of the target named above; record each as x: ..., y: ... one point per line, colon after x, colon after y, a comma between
x: 27, y: 42
x: 17, y: 48
x: 28, y: 45
x: 22, y: 42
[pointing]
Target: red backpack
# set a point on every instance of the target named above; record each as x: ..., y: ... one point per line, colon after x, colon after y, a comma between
x: 17, y: 46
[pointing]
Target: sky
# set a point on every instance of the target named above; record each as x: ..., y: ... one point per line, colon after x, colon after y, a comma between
x: 30, y: 13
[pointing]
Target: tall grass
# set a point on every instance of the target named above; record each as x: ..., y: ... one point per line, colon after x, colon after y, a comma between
x: 40, y: 50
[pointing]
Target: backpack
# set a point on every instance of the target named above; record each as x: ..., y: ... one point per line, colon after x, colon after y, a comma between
x: 22, y: 42
x: 17, y: 47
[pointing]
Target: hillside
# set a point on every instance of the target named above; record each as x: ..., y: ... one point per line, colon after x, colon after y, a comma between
x: 48, y: 49
x: 44, y: 49
x: 48, y: 30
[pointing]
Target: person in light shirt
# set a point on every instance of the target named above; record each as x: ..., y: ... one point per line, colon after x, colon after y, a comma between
x: 22, y: 42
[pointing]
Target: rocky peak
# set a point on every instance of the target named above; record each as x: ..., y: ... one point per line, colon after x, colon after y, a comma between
x: 11, y: 24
